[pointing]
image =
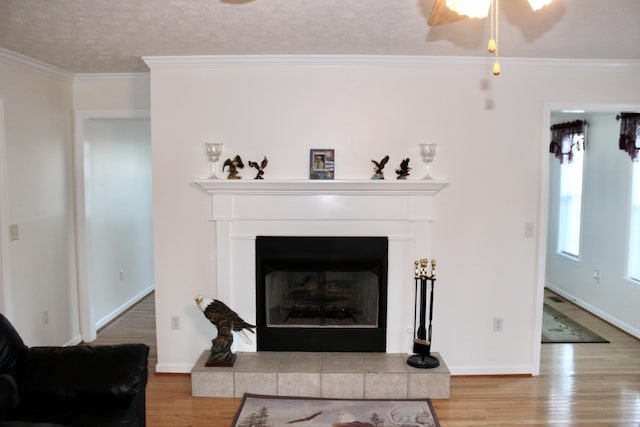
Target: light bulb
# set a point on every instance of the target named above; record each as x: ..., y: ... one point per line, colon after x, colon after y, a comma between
x: 470, y: 8
x: 538, y: 4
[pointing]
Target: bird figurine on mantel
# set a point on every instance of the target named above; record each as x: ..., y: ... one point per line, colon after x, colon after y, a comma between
x: 226, y: 321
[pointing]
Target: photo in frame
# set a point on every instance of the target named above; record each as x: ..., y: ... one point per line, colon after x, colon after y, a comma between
x: 321, y: 163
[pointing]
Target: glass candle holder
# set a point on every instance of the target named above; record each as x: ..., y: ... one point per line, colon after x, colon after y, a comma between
x: 428, y: 152
x: 213, y: 151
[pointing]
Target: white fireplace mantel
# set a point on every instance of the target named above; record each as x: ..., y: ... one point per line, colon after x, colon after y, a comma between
x: 401, y: 210
x: 329, y: 187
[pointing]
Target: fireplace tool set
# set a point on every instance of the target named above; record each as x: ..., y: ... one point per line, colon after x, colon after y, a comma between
x: 421, y: 331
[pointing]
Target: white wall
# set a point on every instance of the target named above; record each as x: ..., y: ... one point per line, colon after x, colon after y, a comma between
x: 118, y: 213
x: 492, y: 139
x: 38, y: 103
x: 38, y: 131
x: 492, y: 147
x: 111, y: 92
x: 604, y: 224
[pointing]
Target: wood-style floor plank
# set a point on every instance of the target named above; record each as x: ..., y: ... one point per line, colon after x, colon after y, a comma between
x: 579, y: 384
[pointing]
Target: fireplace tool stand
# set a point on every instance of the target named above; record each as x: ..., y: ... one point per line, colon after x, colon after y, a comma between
x: 422, y: 334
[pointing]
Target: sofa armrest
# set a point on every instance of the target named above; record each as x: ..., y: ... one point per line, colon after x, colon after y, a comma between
x: 8, y: 395
x: 84, y: 373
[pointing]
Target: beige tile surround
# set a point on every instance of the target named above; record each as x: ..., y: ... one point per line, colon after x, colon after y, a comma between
x: 336, y: 375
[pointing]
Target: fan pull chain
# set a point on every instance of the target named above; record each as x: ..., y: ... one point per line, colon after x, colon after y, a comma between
x: 495, y: 18
x: 492, y: 37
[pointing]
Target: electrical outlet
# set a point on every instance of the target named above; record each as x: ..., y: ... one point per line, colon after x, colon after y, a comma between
x: 175, y: 323
x: 45, y: 317
x: 497, y: 324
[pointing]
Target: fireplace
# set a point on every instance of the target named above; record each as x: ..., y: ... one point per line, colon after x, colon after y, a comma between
x: 401, y: 210
x: 321, y: 293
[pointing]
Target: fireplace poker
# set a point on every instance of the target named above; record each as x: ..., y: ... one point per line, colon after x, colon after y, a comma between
x: 433, y: 284
x: 422, y: 334
x: 415, y: 305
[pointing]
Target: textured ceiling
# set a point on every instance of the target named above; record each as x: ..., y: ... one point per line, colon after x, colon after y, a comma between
x: 86, y: 36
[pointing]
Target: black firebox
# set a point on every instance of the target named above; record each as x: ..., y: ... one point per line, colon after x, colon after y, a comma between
x: 321, y: 293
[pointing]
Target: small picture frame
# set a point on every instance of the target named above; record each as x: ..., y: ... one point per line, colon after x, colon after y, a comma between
x: 321, y: 163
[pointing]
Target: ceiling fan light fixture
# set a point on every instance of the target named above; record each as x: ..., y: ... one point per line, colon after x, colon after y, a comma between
x: 477, y: 9
x: 470, y: 8
x: 538, y: 4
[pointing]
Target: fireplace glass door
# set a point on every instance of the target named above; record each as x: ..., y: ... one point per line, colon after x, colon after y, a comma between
x: 321, y: 293
x: 331, y: 296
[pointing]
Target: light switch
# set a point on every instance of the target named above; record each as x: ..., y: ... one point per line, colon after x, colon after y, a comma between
x: 529, y: 229
x: 14, y: 232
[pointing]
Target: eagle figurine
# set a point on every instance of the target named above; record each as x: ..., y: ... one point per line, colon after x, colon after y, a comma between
x: 226, y: 322
x: 260, y: 167
x: 233, y: 164
x: 379, y: 166
x: 403, y: 171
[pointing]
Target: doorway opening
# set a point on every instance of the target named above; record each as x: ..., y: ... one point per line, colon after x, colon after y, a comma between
x: 113, y: 210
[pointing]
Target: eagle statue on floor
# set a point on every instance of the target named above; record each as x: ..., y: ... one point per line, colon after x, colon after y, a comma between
x: 226, y: 322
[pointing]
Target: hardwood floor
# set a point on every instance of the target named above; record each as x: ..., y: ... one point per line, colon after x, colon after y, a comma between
x: 579, y: 384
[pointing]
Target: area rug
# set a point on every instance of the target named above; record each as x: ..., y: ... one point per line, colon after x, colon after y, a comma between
x: 277, y: 411
x: 558, y: 328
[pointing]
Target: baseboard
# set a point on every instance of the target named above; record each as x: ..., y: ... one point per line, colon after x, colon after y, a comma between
x: 124, y: 307
x: 596, y: 311
x: 73, y: 341
x: 173, y: 368
x: 491, y: 370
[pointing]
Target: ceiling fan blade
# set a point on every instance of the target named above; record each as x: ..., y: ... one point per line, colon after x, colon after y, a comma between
x: 441, y: 14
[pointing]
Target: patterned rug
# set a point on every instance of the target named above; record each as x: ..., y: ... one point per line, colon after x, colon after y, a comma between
x: 279, y: 411
x: 558, y: 328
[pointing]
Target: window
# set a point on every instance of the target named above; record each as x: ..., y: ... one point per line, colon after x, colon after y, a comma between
x: 634, y: 224
x: 571, y: 199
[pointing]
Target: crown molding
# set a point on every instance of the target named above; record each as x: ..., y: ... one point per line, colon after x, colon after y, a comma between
x: 401, y: 60
x: 320, y: 60
x: 112, y: 76
x: 13, y: 58
x: 8, y: 56
x: 630, y: 64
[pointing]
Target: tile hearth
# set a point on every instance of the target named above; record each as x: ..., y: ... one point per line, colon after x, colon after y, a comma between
x: 335, y: 375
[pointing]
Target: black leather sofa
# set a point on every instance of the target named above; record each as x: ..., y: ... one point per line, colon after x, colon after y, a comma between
x: 79, y: 386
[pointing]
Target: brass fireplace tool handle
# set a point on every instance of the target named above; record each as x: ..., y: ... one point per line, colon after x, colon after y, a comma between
x: 423, y: 268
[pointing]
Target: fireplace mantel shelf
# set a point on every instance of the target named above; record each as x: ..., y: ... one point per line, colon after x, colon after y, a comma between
x: 321, y: 187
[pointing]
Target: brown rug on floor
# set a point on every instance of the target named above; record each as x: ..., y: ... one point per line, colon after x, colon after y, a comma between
x: 558, y: 328
x: 279, y: 411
